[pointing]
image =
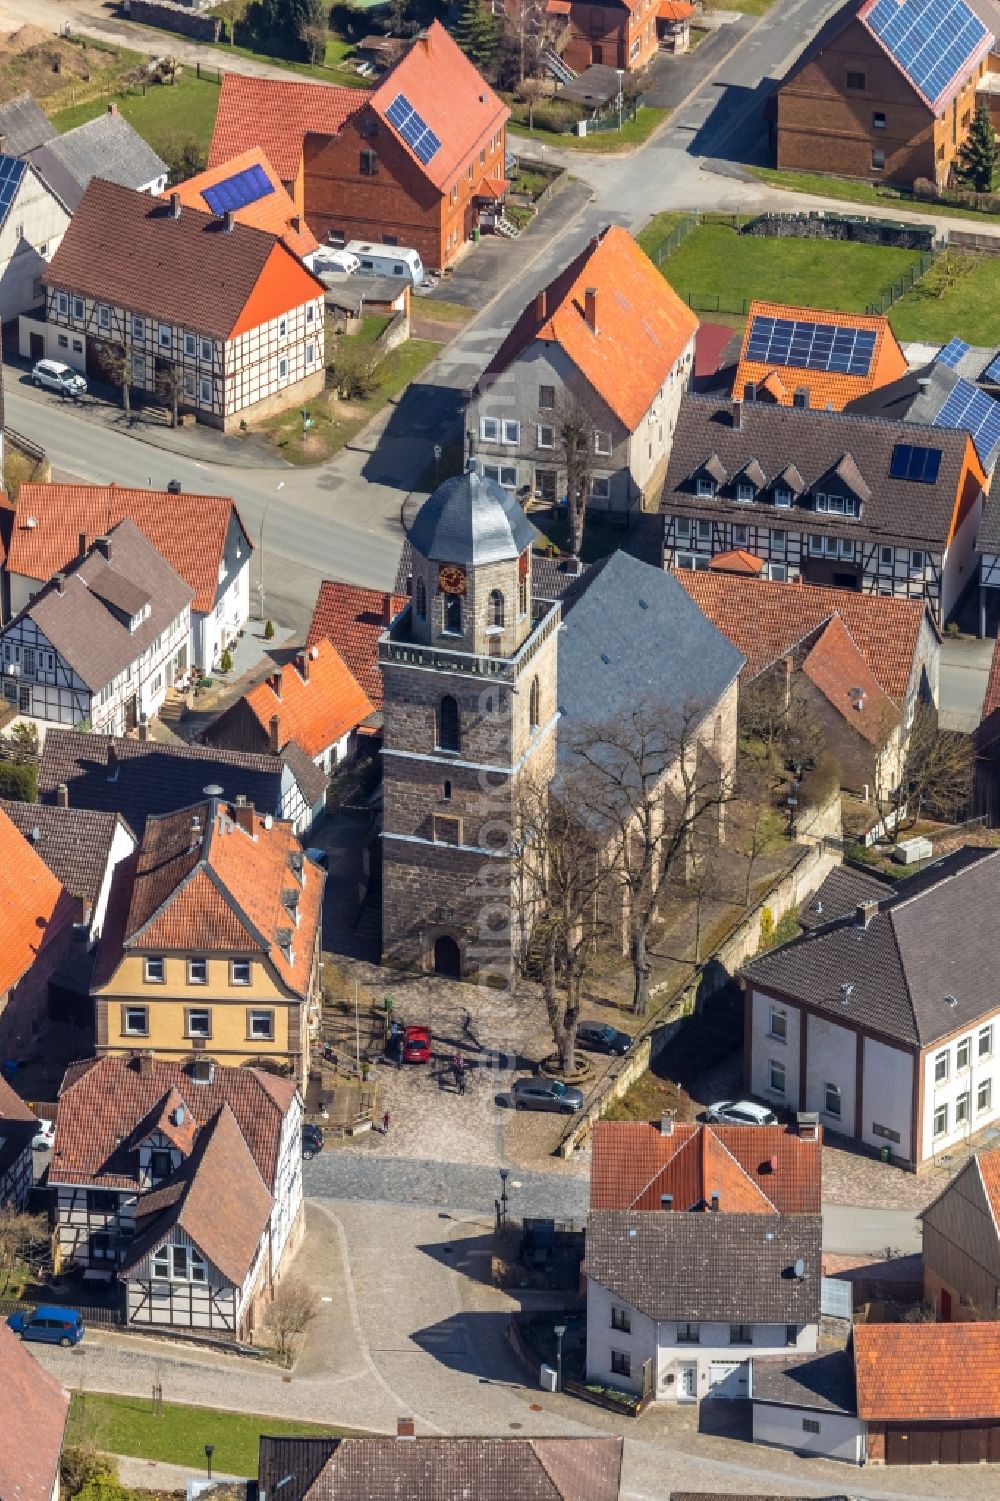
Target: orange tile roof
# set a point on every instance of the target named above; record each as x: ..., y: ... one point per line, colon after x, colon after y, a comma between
x: 35, y: 907
x: 492, y: 187
x: 315, y: 712
x: 188, y: 530
x: 826, y: 388
x: 675, y: 10
x: 989, y: 1171
x: 913, y: 1373
x: 33, y: 1409
x: 766, y: 619
x: 450, y: 95
x: 633, y: 1165
x: 212, y: 885
x: 839, y: 671
x: 737, y: 561
x: 353, y: 619
x: 643, y: 327
x: 273, y: 115
x: 275, y: 212
x: 992, y: 700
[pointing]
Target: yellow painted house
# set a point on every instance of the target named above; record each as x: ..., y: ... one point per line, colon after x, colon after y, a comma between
x: 212, y: 941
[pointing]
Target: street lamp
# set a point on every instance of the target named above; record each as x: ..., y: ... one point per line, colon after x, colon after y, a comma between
x: 504, y: 1175
x: 209, y: 1451
x: 260, y: 583
x: 621, y: 75
x: 559, y: 1331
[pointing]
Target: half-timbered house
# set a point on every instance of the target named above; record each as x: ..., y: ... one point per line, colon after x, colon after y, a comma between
x: 82, y: 848
x: 837, y: 498
x: 178, y: 303
x: 100, y: 645
x: 18, y: 1125
x: 184, y: 1181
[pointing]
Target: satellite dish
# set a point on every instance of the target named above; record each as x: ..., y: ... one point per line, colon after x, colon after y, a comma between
x: 799, y: 1268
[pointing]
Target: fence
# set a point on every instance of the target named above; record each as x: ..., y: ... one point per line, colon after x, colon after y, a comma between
x: 93, y: 1313
x: 905, y: 284
x: 675, y: 238
x: 607, y: 119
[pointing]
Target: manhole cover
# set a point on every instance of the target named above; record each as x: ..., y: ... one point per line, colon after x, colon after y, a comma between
x: 515, y: 1425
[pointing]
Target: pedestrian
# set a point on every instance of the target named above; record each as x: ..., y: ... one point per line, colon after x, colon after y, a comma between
x: 386, y: 1123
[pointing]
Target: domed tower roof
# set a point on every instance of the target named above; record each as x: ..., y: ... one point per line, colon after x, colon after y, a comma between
x: 471, y: 520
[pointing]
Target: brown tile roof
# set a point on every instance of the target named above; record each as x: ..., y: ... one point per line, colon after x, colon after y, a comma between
x: 18, y: 1124
x: 353, y: 619
x: 643, y: 327
x: 33, y: 1409
x: 991, y: 701
x: 738, y: 561
x: 448, y: 1469
x: 86, y: 620
x: 103, y: 1103
x: 838, y: 669
x: 223, y: 1204
x: 314, y: 711
x: 190, y: 531
x: 826, y: 388
x: 75, y: 843
x: 35, y: 907
x: 450, y: 95
x: 274, y: 211
x: 766, y: 619
x: 910, y: 1373
x: 200, y: 881
x: 633, y: 1165
x: 274, y: 115
x: 126, y: 248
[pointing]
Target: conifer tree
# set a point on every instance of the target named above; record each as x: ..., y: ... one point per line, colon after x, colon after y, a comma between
x: 476, y: 33
x: 978, y: 156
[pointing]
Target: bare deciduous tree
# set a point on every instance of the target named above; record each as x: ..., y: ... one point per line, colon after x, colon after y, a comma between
x: 168, y: 389
x: 573, y: 425
x: 23, y: 1239
x: 755, y: 822
x: 774, y: 711
x: 530, y: 91
x: 116, y: 362
x: 936, y: 774
x: 292, y: 1310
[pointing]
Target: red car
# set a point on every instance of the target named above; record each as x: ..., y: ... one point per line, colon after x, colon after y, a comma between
x: 417, y: 1045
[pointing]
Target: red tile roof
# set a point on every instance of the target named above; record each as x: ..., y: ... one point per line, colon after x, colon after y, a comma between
x: 766, y: 620
x: 675, y: 10
x: 633, y: 1165
x: 826, y: 388
x: 35, y: 907
x: 838, y: 669
x: 912, y: 1373
x: 710, y: 343
x: 643, y: 327
x: 989, y: 1171
x: 992, y: 700
x: 314, y: 712
x: 188, y: 530
x: 273, y: 115
x: 274, y: 212
x: 737, y: 561
x: 33, y: 1410
x: 450, y: 95
x: 353, y: 619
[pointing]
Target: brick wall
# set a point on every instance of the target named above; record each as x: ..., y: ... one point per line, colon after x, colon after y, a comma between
x: 607, y: 35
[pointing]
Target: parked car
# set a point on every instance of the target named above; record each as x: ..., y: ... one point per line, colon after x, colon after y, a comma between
x: 43, y: 1137
x: 417, y: 1045
x: 741, y: 1113
x: 312, y: 1142
x: 600, y: 1038
x: 49, y: 1324
x: 55, y: 376
x: 547, y: 1094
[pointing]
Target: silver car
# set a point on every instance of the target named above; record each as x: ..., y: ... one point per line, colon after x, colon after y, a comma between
x: 55, y: 376
x: 547, y: 1094
x: 741, y: 1113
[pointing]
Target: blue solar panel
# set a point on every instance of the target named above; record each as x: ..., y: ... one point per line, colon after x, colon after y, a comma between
x: 953, y: 352
x: 914, y: 463
x: 415, y: 132
x: 968, y: 407
x: 992, y: 371
x: 11, y: 172
x: 931, y: 40
x: 811, y: 346
x: 237, y: 191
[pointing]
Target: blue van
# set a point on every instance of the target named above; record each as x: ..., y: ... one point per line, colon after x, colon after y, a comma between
x: 51, y: 1325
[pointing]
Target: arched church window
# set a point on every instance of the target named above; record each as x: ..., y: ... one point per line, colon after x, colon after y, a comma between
x: 496, y: 607
x: 448, y: 731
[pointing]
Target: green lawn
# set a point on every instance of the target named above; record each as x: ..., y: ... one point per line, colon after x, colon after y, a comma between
x: 940, y: 306
x: 849, y: 190
x: 177, y: 1434
x: 719, y: 270
x: 633, y: 133
x: 164, y: 112
x: 659, y: 228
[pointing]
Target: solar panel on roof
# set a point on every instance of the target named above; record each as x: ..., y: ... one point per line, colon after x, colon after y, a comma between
x: 992, y: 371
x: 909, y: 461
x: 931, y: 40
x: 837, y: 348
x: 415, y: 131
x: 952, y: 352
x: 11, y: 172
x: 236, y: 192
x: 966, y: 406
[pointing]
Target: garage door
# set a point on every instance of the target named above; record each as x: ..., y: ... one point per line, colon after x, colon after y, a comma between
x: 728, y: 1379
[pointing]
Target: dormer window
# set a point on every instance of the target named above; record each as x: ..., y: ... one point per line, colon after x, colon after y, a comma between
x: 837, y: 505
x: 160, y: 1164
x: 744, y: 491
x: 704, y: 487
x: 783, y: 498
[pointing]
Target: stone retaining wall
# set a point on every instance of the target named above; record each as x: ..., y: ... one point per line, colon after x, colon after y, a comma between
x: 174, y: 17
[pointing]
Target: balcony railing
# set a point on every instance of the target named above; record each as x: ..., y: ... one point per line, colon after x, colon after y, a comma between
x: 395, y: 646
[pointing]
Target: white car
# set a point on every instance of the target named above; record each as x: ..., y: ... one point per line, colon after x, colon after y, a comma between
x: 741, y: 1113
x: 55, y: 376
x: 43, y: 1137
x: 329, y: 258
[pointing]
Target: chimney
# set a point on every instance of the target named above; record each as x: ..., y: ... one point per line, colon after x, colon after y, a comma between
x: 302, y: 663
x: 542, y: 305
x: 228, y: 222
x: 296, y: 222
x: 666, y: 1201
x: 59, y: 579
x: 175, y: 205
x: 715, y: 1200
x: 274, y: 734
x: 143, y: 1064
x: 275, y: 681
x: 924, y: 384
x: 62, y: 796
x: 807, y: 1123
x: 82, y: 545
x: 590, y: 308
x: 112, y: 762
x: 86, y: 910
x: 667, y: 1123
x: 863, y: 913
x: 103, y: 545
x: 387, y: 607
x: 405, y: 1428
x: 112, y: 109
x: 242, y: 815
x: 143, y: 728
x: 737, y: 416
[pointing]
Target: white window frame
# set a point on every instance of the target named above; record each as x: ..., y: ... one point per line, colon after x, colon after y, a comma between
x: 984, y: 1096
x: 191, y: 346
x: 261, y: 1016
x: 776, y: 1076
x: 600, y: 487
x: 985, y: 1034
x: 963, y: 1049
x: 963, y: 1107
x: 206, y: 1030
x: 207, y: 352
x: 62, y: 303
x: 703, y: 531
x: 942, y: 1067
x: 917, y: 561
x: 745, y: 492
x: 698, y: 562
x: 833, y: 1092
x: 193, y: 978
x: 282, y: 328
x: 164, y: 336
x: 779, y: 541
x: 511, y: 430
x: 603, y: 442
x: 138, y: 325
x: 704, y: 488
x: 152, y: 964
x: 489, y: 429
x: 131, y: 1031
x: 940, y: 1115
x: 235, y: 964
x: 79, y: 307
x: 502, y: 474
x: 741, y: 536
x: 546, y: 435
x: 206, y: 391
x: 783, y: 499
x: 777, y: 1026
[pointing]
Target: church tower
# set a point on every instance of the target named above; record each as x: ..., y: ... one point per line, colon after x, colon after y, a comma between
x: 469, y: 677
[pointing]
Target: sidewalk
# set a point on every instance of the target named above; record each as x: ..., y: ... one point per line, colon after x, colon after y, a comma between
x: 156, y: 1475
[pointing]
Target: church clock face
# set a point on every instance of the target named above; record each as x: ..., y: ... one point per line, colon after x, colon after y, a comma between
x: 451, y: 579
